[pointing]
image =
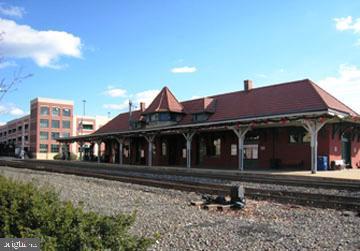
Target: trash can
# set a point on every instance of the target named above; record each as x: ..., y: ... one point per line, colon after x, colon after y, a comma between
x: 322, y: 163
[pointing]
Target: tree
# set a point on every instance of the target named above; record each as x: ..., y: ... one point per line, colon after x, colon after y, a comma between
x: 7, y: 85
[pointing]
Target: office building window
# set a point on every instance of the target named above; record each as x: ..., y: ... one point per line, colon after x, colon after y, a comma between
x: 43, y: 148
x: 44, y: 110
x: 55, y: 135
x: 66, y: 124
x: 55, y: 123
x: 88, y: 126
x: 26, y: 126
x: 66, y: 112
x: 54, y: 148
x: 65, y: 135
x: 44, y: 135
x: 44, y: 123
x: 26, y: 138
x: 56, y: 111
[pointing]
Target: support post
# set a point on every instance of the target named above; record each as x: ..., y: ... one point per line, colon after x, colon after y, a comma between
x: 121, y: 142
x: 81, y: 150
x: 67, y: 151
x: 313, y: 127
x: 99, y: 150
x: 240, y: 133
x: 188, y: 137
x: 150, y: 140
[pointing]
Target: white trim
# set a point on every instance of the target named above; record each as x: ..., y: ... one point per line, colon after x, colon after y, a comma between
x: 52, y: 101
x: 319, y: 113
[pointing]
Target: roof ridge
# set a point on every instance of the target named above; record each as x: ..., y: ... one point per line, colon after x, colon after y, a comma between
x: 256, y: 88
x: 314, y: 84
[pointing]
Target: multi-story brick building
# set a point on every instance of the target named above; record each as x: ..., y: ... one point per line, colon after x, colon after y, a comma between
x: 49, y: 120
x: 15, y: 135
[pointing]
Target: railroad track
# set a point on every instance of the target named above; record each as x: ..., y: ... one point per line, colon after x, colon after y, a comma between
x: 287, y: 180
x: 298, y: 198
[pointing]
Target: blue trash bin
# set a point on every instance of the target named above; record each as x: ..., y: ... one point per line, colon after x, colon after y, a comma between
x: 322, y: 163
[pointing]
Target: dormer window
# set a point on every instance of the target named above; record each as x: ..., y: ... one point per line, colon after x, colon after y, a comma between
x: 199, y: 117
x: 162, y: 117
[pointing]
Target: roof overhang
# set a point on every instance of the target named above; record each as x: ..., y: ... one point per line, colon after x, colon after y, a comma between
x: 255, y: 121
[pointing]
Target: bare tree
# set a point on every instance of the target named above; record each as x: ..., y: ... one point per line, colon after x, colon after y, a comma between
x: 7, y: 85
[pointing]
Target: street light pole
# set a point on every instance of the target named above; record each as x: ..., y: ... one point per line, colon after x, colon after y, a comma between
x: 82, y: 131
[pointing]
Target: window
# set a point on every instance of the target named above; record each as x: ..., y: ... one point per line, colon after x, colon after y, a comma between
x: 66, y: 123
x: 26, y: 126
x: 66, y: 112
x: 26, y: 138
x: 217, y: 144
x: 54, y: 148
x: 184, y: 153
x: 19, y: 139
x: 55, y: 135
x: 56, y: 111
x: 251, y: 151
x: 163, y: 149
x: 55, y: 124
x: 154, y: 117
x: 44, y: 123
x: 44, y: 110
x: 43, y: 148
x: 88, y: 126
x: 65, y: 135
x: 19, y: 128
x: 298, y: 136
x: 164, y: 116
x: 214, y: 149
x: 44, y: 135
x: 233, y: 150
x: 198, y: 117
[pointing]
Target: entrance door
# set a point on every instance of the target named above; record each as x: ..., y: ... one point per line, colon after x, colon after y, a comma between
x: 346, y: 148
x: 172, y: 145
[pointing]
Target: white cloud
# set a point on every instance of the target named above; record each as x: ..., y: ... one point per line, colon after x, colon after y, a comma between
x: 114, y: 92
x: 11, y: 11
x: 11, y: 109
x: 146, y: 96
x: 122, y: 106
x: 6, y: 64
x: 43, y: 47
x: 2, y: 123
x: 185, y: 69
x: 345, y: 86
x: 347, y: 23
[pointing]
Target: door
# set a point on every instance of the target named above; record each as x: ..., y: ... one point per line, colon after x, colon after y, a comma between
x: 346, y: 148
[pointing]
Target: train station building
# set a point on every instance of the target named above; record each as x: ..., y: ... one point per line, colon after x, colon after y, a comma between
x: 289, y: 125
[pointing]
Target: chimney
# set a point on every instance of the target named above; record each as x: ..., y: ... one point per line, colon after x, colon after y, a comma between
x: 248, y: 85
x: 142, y: 106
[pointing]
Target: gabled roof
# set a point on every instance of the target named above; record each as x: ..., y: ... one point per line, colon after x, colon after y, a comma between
x: 165, y: 101
x: 302, y: 96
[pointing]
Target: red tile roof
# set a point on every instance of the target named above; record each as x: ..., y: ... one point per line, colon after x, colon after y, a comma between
x: 281, y: 99
x: 165, y: 101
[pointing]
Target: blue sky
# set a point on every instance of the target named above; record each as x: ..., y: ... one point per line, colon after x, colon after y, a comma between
x: 107, y: 52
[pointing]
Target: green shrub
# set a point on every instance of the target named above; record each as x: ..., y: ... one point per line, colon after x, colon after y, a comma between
x: 59, y: 156
x: 28, y: 212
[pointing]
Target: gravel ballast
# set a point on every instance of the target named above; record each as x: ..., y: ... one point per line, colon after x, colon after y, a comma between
x: 261, y: 225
